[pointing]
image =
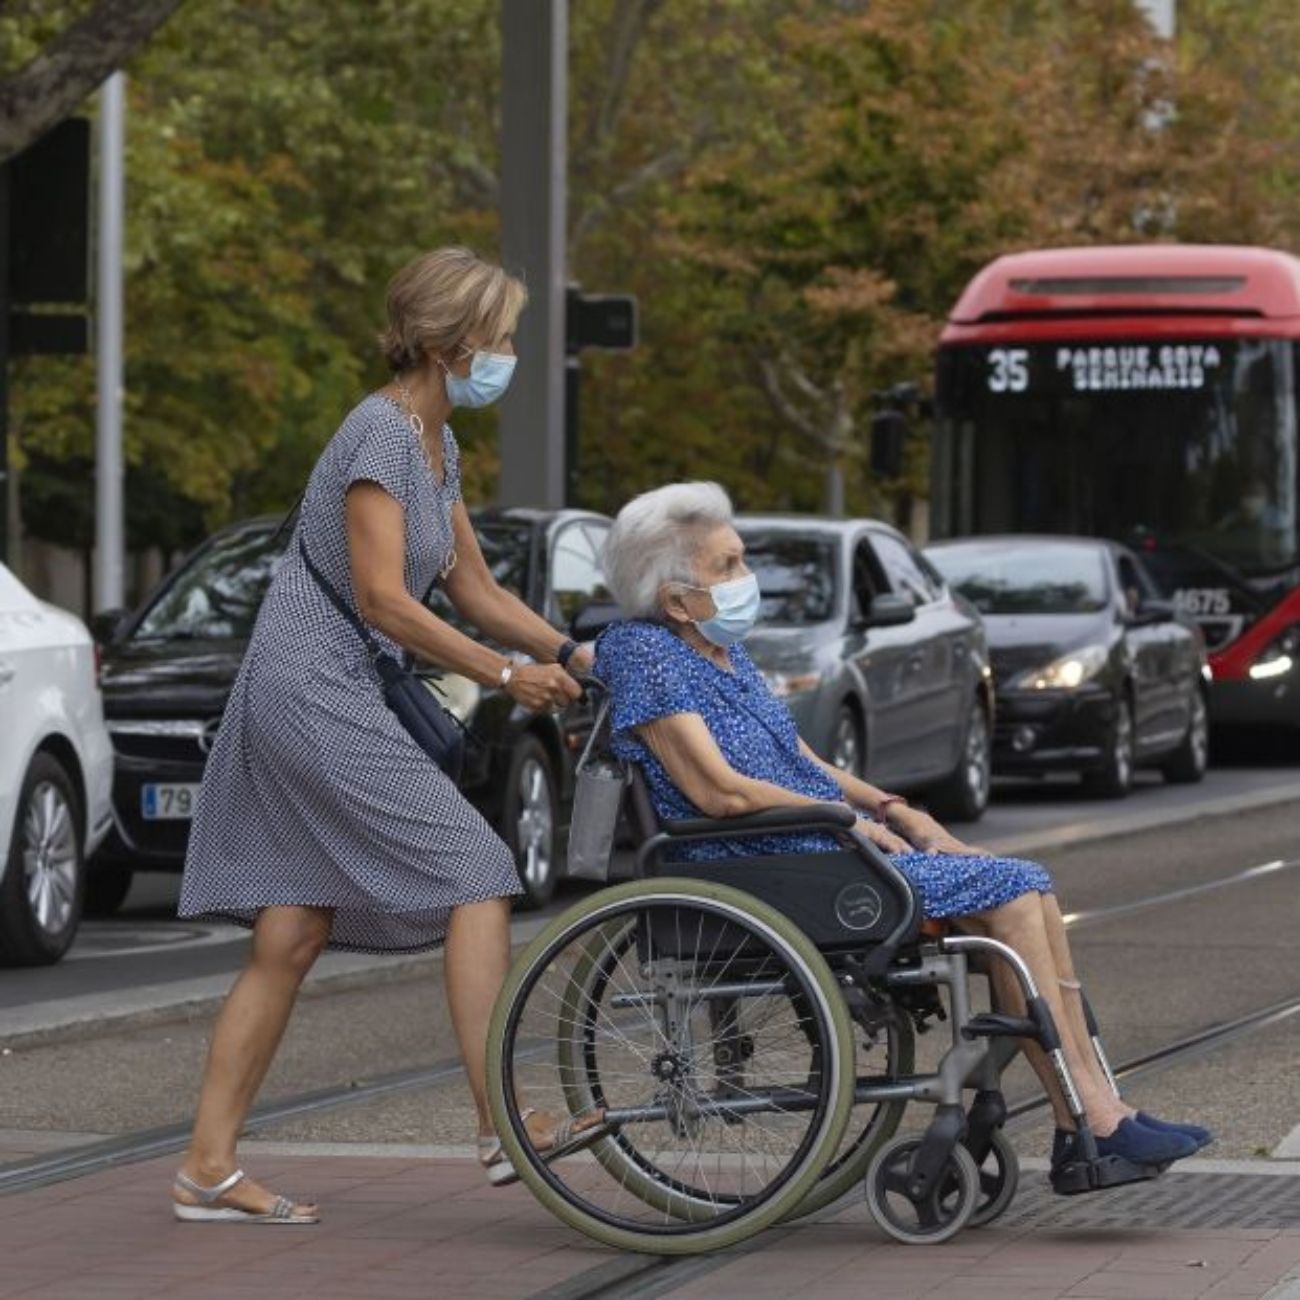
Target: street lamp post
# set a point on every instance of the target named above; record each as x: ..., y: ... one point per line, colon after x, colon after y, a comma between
x: 109, y: 539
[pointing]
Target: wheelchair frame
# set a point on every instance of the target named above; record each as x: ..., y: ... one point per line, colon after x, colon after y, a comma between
x: 927, y: 1175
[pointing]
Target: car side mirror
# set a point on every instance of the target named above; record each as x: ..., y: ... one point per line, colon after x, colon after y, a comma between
x: 889, y: 610
x: 109, y: 624
x: 593, y: 618
x: 1154, y: 611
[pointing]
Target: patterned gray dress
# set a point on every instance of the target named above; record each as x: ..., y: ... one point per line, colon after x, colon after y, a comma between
x: 314, y: 794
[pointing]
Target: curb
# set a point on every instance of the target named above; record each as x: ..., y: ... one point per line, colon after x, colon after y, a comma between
x: 1085, y: 832
x: 94, y: 1015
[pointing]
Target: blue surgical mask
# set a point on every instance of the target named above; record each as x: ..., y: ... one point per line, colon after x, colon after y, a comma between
x: 489, y: 377
x: 736, y: 604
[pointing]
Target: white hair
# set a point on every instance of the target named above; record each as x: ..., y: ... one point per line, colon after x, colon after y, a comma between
x: 654, y: 540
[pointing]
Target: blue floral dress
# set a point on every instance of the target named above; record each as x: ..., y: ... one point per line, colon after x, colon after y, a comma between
x: 651, y: 673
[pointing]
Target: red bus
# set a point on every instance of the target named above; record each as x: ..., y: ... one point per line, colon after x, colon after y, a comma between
x: 1146, y: 394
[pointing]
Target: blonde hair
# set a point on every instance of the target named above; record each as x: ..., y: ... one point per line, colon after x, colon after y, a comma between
x: 441, y: 298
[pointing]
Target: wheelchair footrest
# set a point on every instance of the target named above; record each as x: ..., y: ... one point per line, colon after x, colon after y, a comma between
x: 1074, y: 1177
x: 994, y: 1024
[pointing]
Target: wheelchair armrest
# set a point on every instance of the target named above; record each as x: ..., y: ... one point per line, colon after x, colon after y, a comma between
x: 833, y: 818
x: 811, y: 817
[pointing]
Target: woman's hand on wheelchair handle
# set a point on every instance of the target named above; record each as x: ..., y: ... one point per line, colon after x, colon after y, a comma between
x: 542, y: 687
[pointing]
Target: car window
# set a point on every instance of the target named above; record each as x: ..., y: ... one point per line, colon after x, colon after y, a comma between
x: 576, y: 578
x: 796, y: 575
x: 1134, y: 584
x: 907, y: 571
x: 1026, y: 577
x: 869, y: 579
x: 217, y: 595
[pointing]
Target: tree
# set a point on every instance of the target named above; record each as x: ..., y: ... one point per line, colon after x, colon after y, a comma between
x: 71, y: 65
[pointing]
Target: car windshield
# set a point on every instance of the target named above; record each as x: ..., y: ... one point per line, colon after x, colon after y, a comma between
x: 797, y: 575
x: 507, y: 548
x: 1031, y: 577
x: 216, y: 596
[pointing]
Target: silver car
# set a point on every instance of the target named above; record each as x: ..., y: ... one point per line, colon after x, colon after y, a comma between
x: 886, y: 673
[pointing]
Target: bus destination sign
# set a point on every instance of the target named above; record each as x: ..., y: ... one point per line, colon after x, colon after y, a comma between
x: 1107, y: 368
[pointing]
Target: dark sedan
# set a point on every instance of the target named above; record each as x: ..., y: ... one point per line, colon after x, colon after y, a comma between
x: 1094, y: 673
x: 168, y: 670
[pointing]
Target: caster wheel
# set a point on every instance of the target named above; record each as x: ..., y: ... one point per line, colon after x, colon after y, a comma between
x: 999, y: 1176
x: 940, y: 1215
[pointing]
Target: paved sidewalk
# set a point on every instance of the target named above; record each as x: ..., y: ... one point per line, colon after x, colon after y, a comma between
x: 403, y: 1226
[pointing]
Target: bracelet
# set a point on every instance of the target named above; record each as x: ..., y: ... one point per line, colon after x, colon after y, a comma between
x: 506, y: 674
x: 881, y: 815
x: 565, y: 653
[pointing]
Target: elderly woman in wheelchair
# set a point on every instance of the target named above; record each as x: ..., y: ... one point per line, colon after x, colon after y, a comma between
x: 739, y: 1019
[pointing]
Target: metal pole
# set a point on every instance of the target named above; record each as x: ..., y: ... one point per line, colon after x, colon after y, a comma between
x: 534, y: 164
x: 6, y: 485
x: 109, y: 539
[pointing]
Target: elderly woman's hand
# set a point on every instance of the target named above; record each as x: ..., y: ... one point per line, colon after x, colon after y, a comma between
x: 929, y: 836
x: 882, y: 837
x: 542, y: 687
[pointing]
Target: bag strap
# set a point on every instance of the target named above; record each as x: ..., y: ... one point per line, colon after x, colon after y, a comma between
x: 373, y: 647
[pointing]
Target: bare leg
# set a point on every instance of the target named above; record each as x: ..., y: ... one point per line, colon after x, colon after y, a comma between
x: 476, y: 961
x: 1021, y: 925
x: 1070, y: 995
x: 286, y: 943
x: 477, y: 958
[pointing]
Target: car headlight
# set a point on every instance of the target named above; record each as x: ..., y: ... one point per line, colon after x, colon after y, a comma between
x: 1278, y: 658
x: 784, y: 685
x: 1066, y: 673
x: 457, y: 694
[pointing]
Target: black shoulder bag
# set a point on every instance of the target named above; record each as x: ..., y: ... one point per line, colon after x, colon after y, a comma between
x: 433, y: 728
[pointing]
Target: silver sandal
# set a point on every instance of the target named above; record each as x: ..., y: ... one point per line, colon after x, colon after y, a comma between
x: 567, y: 1141
x: 206, y: 1212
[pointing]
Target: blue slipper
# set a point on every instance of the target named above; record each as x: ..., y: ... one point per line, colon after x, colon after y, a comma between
x: 1201, y: 1136
x: 1146, y: 1146
x: 1132, y: 1141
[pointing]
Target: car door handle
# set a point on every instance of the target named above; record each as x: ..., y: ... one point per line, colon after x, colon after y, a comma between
x: 7, y: 672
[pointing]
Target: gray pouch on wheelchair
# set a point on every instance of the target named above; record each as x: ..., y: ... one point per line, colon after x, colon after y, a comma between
x: 599, y: 782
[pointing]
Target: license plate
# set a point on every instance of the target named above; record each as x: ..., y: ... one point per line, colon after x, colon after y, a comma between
x: 160, y: 802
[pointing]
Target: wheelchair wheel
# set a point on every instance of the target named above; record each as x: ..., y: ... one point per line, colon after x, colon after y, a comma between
x: 939, y: 1216
x: 999, y: 1176
x: 892, y: 1053
x: 712, y: 1036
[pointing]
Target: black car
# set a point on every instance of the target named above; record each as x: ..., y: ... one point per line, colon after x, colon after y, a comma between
x: 1093, y: 672
x: 169, y: 667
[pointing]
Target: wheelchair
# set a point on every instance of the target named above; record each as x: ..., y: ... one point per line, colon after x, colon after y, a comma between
x: 744, y: 1030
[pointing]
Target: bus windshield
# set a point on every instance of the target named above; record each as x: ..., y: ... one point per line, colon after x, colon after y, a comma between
x: 1181, y: 448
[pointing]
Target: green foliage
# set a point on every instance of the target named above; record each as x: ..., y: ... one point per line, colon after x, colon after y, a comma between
x: 796, y: 190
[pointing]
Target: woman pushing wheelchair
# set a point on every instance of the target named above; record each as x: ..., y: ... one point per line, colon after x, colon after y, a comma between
x: 692, y: 711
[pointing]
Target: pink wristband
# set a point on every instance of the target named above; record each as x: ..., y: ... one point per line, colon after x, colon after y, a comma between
x: 881, y: 815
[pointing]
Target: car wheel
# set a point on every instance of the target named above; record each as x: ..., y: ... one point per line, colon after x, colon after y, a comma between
x: 964, y: 795
x: 1113, y: 778
x: 44, y: 881
x: 1187, y: 764
x: 106, y: 890
x: 530, y: 815
x: 848, y: 744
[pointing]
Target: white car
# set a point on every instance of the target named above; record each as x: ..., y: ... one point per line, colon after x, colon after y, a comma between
x: 56, y: 774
